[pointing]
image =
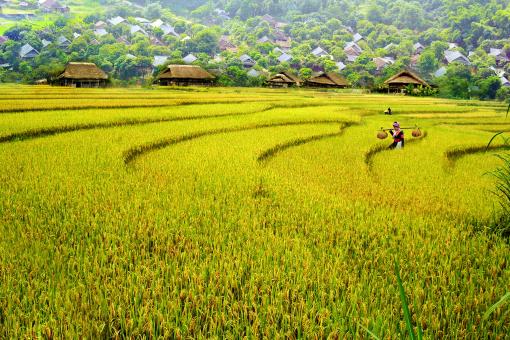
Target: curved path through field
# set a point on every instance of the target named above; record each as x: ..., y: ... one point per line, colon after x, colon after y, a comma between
x: 133, y: 153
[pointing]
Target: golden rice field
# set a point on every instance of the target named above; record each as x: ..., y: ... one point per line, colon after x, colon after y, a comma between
x: 229, y: 213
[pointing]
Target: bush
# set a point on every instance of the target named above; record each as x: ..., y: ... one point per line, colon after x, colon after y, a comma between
x: 420, y: 91
x: 503, y: 94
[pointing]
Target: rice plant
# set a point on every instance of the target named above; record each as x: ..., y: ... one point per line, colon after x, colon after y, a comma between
x: 245, y: 213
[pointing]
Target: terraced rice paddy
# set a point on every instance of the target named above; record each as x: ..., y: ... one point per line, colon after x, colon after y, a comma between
x: 240, y: 212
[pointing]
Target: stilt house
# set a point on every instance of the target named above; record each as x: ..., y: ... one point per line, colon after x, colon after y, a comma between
x: 82, y: 75
x: 400, y: 81
x: 327, y: 80
x: 183, y: 75
x: 284, y: 79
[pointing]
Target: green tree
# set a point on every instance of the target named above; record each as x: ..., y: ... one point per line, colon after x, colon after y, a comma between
x: 456, y: 83
x: 488, y: 87
x: 427, y: 62
x: 305, y: 73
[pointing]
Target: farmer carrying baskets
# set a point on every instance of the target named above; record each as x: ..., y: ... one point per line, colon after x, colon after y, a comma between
x: 398, y: 137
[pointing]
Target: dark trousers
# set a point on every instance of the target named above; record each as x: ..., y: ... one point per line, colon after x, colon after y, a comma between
x: 394, y: 145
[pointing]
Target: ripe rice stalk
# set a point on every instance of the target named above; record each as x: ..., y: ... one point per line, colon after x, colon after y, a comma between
x: 272, y: 152
x: 455, y: 153
x: 201, y: 241
x: 135, y: 152
x: 44, y: 132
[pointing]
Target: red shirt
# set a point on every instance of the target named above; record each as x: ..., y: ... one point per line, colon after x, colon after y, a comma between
x: 398, y: 136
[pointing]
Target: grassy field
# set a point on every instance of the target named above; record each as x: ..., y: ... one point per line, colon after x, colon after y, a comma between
x: 245, y: 212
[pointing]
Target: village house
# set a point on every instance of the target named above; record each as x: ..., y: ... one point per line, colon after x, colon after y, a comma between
x: 285, y: 45
x: 159, y: 60
x: 400, y: 82
x: 340, y: 65
x: 28, y: 52
x: 456, y: 57
x: 351, y: 58
x: 100, y: 25
x: 52, y: 6
x: 190, y: 58
x: 184, y: 75
x: 169, y: 30
x: 499, y: 55
x: 142, y: 21
x: 100, y: 32
x: 123, y: 40
x: 63, y: 42
x: 348, y: 29
x: 82, y: 75
x: 157, y: 23
x: 497, y: 71
x: 277, y: 50
x: 133, y: 29
x: 247, y: 61
x: 319, y: 52
x: 504, y: 81
x: 284, y: 79
x: 357, y: 38
x: 226, y: 45
x: 156, y: 42
x: 116, y: 21
x: 264, y: 39
x: 284, y: 58
x: 327, y: 80
x: 352, y: 50
x: 280, y: 36
x: 418, y: 48
x: 382, y: 62
x: 282, y: 40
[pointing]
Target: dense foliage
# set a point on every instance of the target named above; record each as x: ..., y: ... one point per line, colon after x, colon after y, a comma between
x: 389, y: 29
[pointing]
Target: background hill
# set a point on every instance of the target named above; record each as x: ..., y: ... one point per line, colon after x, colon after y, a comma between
x: 463, y: 46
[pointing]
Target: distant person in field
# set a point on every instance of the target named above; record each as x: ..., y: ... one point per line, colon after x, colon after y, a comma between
x: 388, y: 112
x: 398, y: 137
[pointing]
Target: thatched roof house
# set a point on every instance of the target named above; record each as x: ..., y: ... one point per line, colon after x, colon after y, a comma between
x: 284, y: 79
x: 400, y: 81
x: 330, y: 79
x: 82, y: 75
x: 52, y: 5
x: 183, y: 75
